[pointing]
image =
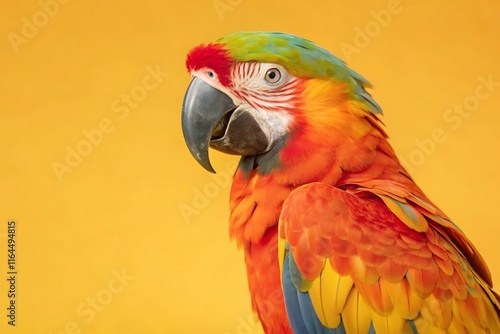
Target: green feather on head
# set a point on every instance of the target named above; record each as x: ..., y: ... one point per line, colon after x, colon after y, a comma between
x: 301, y: 57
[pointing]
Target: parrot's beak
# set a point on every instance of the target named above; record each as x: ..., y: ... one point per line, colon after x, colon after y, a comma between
x: 210, y: 118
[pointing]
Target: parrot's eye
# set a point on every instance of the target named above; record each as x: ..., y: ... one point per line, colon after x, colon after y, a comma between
x: 273, y: 75
x: 210, y: 74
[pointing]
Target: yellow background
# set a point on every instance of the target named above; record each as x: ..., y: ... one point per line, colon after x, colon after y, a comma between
x: 119, y: 208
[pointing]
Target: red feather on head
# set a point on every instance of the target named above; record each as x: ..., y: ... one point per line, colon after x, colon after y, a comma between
x: 212, y: 56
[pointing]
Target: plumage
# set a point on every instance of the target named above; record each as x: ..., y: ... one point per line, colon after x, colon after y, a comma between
x: 337, y: 236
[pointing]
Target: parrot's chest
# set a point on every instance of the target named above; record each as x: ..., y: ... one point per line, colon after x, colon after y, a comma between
x: 264, y: 283
x: 256, y: 203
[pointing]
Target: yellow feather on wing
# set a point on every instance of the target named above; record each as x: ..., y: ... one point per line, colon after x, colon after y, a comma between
x: 357, y: 313
x: 328, y: 295
x: 390, y: 324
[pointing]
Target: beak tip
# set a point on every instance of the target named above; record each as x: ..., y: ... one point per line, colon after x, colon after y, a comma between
x: 200, y: 154
x: 202, y: 108
x: 205, y: 163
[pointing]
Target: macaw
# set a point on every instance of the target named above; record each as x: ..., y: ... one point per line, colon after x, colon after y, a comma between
x: 337, y: 237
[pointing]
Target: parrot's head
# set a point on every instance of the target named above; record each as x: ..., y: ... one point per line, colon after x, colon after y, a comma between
x: 256, y: 93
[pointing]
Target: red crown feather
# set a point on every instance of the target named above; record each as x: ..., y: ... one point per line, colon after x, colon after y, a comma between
x: 212, y: 56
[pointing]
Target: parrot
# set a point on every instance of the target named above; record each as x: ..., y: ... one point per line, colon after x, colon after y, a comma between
x: 336, y: 235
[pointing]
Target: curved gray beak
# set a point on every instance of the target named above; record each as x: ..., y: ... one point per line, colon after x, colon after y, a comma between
x: 210, y: 118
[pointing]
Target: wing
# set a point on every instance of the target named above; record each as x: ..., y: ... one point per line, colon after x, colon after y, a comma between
x: 368, y: 261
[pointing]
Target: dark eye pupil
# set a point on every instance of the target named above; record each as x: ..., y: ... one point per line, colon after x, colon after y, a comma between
x: 273, y: 76
x: 211, y: 74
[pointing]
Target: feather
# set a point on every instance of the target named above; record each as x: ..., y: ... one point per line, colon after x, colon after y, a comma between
x: 388, y: 324
x: 468, y: 320
x: 342, y: 265
x: 456, y: 327
x: 370, y: 257
x: 422, y: 280
x: 437, y: 311
x: 309, y: 315
x: 301, y: 284
x: 306, y: 316
x: 362, y: 272
x: 328, y: 294
x: 407, y: 303
x: 283, y: 249
x: 356, y: 315
x: 377, y: 296
x: 292, y: 301
x: 391, y: 271
x: 423, y: 204
x: 323, y: 305
x: 409, y: 215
